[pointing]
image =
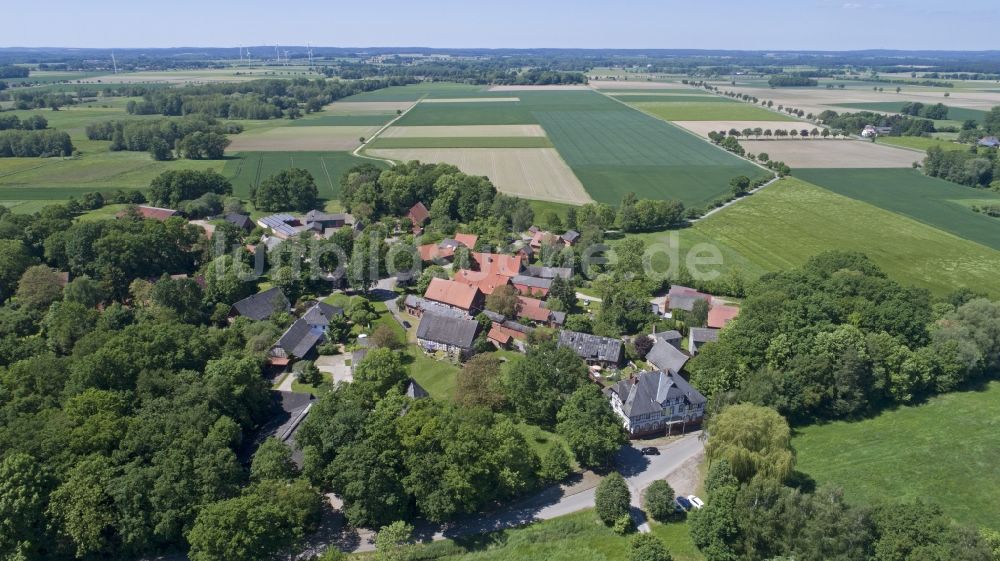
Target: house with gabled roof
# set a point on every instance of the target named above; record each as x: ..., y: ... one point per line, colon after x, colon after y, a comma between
x: 666, y: 355
x: 241, y: 221
x: 451, y: 335
x: 542, y: 272
x: 699, y: 336
x: 455, y: 294
x: 657, y: 401
x: 297, y: 342
x: 418, y: 215
x: 594, y: 349
x: 486, y: 282
x: 262, y: 305
x: 719, y: 315
x: 320, y: 314
x: 531, y: 285
x: 498, y: 263
x: 509, y: 334
x: 149, y: 212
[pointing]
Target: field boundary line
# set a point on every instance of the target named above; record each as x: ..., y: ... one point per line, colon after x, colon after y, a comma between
x: 358, y: 151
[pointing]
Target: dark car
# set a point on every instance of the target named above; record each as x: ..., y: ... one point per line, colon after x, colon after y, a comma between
x: 683, y: 503
x: 650, y: 451
x: 406, y: 324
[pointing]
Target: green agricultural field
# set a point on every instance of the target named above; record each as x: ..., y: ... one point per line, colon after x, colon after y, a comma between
x: 320, y: 120
x: 612, y: 148
x: 575, y: 537
x: 785, y: 224
x: 463, y: 142
x: 468, y: 113
x: 946, y: 451
x: 414, y: 92
x: 936, y: 202
x: 954, y: 113
x: 708, y: 111
x: 921, y: 143
x: 691, y: 97
x: 246, y: 169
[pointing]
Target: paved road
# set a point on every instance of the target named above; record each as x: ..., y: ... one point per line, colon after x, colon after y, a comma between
x: 639, y: 471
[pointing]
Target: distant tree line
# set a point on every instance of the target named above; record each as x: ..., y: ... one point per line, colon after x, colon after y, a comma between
x: 255, y: 99
x: 938, y: 111
x: 30, y: 123
x: 790, y: 81
x: 194, y: 136
x: 11, y: 71
x: 34, y: 143
x: 494, y: 71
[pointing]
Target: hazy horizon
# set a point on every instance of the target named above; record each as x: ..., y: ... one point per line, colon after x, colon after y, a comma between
x: 823, y: 25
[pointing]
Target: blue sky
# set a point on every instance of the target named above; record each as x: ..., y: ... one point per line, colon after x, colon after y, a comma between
x: 727, y: 24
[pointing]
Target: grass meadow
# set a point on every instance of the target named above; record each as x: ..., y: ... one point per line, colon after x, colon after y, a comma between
x: 935, y: 202
x: 463, y: 142
x: 575, y: 537
x: 785, y: 224
x: 247, y: 169
x: 915, y: 453
x: 921, y: 143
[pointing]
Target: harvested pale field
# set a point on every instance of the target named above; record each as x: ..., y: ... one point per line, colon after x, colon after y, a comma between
x: 553, y: 88
x: 361, y: 107
x: 832, y: 153
x: 308, y: 139
x: 470, y: 99
x: 531, y: 173
x: 702, y: 128
x: 629, y: 85
x: 463, y: 131
x: 817, y: 100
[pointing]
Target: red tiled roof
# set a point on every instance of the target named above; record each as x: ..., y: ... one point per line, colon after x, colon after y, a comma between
x: 503, y: 335
x: 720, y: 315
x: 485, y: 282
x: 431, y: 251
x: 151, y: 212
x: 498, y: 334
x: 532, y: 308
x: 498, y: 263
x: 468, y: 240
x: 452, y: 293
x: 418, y: 214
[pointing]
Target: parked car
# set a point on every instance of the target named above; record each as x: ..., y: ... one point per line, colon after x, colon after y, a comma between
x: 695, y: 501
x: 650, y: 451
x: 406, y: 324
x: 683, y: 503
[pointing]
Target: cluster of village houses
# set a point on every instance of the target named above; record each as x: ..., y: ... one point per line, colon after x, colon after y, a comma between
x: 654, y: 400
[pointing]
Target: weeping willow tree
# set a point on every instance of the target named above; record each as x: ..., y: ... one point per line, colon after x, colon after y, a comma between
x: 755, y: 440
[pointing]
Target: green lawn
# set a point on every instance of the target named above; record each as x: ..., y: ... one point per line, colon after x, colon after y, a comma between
x: 414, y: 92
x: 954, y: 113
x: 463, y: 142
x: 246, y: 169
x: 785, y: 224
x: 692, y: 97
x: 708, y: 111
x: 936, y: 202
x: 921, y: 143
x: 575, y: 537
x: 946, y: 451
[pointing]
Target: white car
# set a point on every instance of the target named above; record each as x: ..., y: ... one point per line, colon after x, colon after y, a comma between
x: 696, y: 502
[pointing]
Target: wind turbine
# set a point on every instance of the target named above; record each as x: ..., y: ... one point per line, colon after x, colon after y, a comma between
x: 277, y: 55
x: 114, y: 63
x: 309, y: 50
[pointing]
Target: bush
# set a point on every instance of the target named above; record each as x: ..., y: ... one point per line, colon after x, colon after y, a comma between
x: 623, y: 525
x: 659, y: 501
x: 647, y: 547
x: 555, y: 465
x: 612, y: 499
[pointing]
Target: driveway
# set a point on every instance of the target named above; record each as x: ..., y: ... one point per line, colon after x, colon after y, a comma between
x: 639, y: 472
x: 336, y: 366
